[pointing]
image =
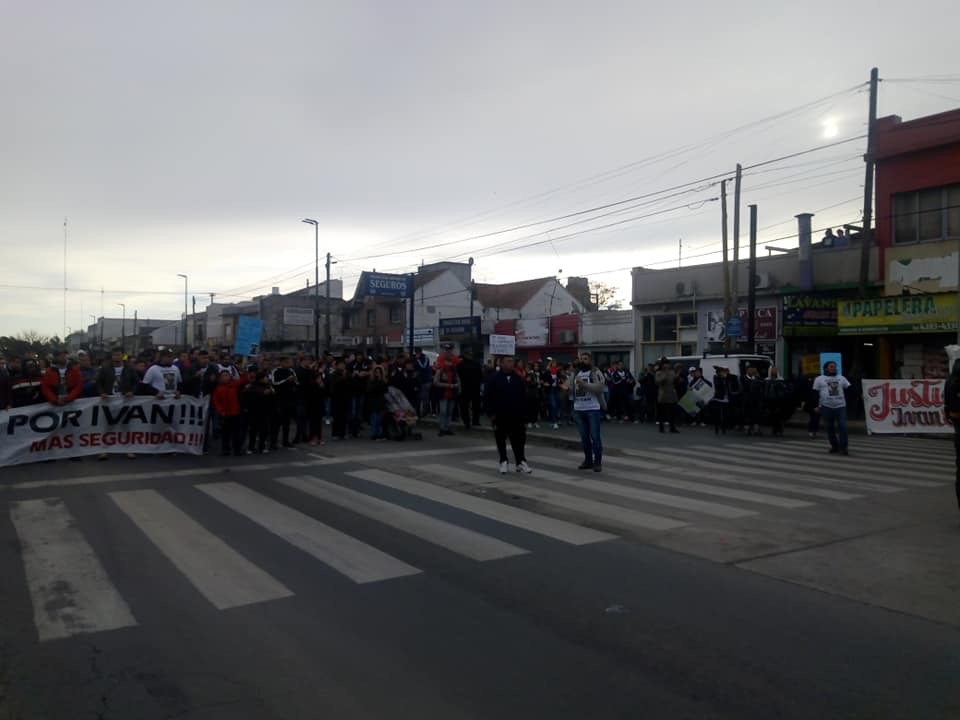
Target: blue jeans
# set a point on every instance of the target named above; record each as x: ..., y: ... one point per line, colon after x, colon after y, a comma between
x: 375, y: 430
x: 356, y: 414
x: 554, y: 400
x: 588, y: 423
x: 446, y: 412
x: 836, y: 422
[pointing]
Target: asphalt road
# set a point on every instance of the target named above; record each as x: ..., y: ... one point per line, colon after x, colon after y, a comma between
x: 176, y: 587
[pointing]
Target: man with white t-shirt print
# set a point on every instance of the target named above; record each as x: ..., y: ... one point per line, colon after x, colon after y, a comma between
x: 830, y: 388
x: 164, y: 377
x: 588, y: 405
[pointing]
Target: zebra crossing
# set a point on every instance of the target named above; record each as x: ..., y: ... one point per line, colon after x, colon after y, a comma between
x: 666, y: 489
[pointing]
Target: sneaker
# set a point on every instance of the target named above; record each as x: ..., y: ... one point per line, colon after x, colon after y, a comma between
x: 103, y: 456
x: 524, y: 468
x: 844, y: 452
x: 537, y: 425
x: 812, y: 435
x: 504, y: 467
x: 598, y: 467
x: 130, y: 456
x: 265, y: 451
x: 529, y: 426
x: 674, y: 430
x: 326, y: 421
x: 833, y: 451
x: 585, y: 466
x: 556, y: 426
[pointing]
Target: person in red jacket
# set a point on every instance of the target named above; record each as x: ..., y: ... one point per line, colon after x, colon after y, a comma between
x: 226, y: 401
x: 61, y: 384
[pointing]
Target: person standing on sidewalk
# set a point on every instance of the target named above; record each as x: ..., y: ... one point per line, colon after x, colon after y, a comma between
x: 425, y: 376
x: 505, y: 394
x: 833, y: 406
x: 666, y: 379
x: 471, y: 380
x: 951, y: 402
x: 588, y: 406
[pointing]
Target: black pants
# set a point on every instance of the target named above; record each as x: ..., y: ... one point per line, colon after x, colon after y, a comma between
x: 665, y: 413
x: 231, y: 435
x: 284, y: 415
x: 340, y: 407
x: 516, y: 432
x: 956, y: 446
x: 258, y: 429
x: 470, y: 409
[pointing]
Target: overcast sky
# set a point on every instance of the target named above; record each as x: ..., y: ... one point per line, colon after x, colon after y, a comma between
x: 192, y: 137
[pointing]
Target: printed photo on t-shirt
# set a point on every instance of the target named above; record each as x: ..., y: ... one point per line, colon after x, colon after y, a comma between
x: 170, y: 381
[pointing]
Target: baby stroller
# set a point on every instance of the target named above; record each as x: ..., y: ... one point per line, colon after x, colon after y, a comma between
x: 400, y: 419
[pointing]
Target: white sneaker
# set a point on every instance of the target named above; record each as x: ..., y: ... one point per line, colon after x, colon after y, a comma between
x: 504, y: 468
x: 556, y: 427
x: 524, y: 468
x: 537, y: 425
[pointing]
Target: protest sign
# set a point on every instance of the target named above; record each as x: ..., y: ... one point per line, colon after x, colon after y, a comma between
x: 92, y: 426
x: 905, y: 406
x: 503, y: 345
x: 697, y: 397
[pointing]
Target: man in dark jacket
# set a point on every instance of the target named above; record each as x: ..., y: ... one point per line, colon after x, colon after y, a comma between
x: 951, y: 402
x: 471, y: 378
x: 117, y: 379
x: 505, y: 394
x: 6, y: 383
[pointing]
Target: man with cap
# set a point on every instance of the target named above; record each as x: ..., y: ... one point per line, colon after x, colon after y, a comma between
x: 61, y: 384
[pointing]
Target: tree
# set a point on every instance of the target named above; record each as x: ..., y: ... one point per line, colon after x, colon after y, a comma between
x: 603, y: 294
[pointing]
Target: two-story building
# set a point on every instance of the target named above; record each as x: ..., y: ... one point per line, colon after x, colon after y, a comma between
x: 918, y: 235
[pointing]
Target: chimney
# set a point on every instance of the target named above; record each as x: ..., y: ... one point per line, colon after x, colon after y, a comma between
x: 805, y: 253
x: 274, y: 291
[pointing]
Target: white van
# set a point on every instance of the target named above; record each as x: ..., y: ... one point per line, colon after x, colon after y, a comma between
x: 736, y: 364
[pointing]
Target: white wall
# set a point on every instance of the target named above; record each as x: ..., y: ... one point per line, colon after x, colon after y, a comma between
x: 446, y: 296
x: 552, y: 299
x: 607, y: 327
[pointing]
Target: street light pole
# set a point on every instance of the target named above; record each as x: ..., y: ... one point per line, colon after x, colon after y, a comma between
x: 316, y: 285
x: 186, y: 344
x: 123, y: 329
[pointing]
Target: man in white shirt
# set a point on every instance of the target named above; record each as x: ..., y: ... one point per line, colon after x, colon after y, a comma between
x: 833, y: 406
x: 164, y: 377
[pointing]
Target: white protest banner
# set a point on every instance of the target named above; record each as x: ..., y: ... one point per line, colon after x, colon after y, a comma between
x: 503, y: 345
x: 905, y: 406
x: 697, y: 397
x: 92, y: 426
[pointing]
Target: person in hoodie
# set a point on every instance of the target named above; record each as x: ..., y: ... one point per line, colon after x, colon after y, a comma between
x: 447, y: 382
x: 666, y: 380
x: 25, y: 387
x: 88, y: 372
x: 6, y: 385
x: 61, y: 383
x: 284, y: 379
x: 376, y: 402
x: 752, y: 401
x: 226, y: 401
x: 341, y: 395
x: 505, y: 394
x: 471, y: 380
x: 257, y: 398
x: 425, y: 375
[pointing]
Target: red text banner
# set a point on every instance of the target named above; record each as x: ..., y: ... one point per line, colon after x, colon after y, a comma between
x: 905, y: 406
x: 93, y: 426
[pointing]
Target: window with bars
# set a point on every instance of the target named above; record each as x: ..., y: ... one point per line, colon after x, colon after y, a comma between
x: 924, y: 215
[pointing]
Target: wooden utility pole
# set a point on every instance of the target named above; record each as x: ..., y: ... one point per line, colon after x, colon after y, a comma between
x: 866, y: 237
x: 726, y: 253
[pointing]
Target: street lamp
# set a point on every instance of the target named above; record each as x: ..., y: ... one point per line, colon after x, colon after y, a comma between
x: 316, y: 286
x: 186, y: 344
x: 123, y: 329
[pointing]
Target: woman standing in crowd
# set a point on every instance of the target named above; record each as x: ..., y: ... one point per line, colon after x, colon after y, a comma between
x: 376, y: 402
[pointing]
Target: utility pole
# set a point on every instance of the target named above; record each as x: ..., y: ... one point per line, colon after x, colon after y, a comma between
x: 193, y: 314
x: 65, y: 280
x: 123, y: 328
x: 866, y: 238
x: 136, y: 333
x: 735, y: 280
x: 752, y: 288
x: 329, y: 341
x: 411, y: 295
x: 726, y: 258
x: 184, y: 307
x: 679, y: 252
x: 101, y: 318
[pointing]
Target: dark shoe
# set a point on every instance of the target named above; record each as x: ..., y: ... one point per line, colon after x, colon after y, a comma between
x: 585, y: 466
x: 598, y: 467
x: 844, y: 452
x: 834, y: 451
x: 661, y: 428
x: 674, y: 430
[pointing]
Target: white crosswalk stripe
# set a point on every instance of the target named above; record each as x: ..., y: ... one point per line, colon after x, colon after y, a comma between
x: 540, y: 524
x: 928, y: 453
x: 656, y: 475
x: 682, y: 502
x: 355, y: 559
x: 460, y: 540
x: 69, y: 588
x: 218, y: 572
x: 888, y: 477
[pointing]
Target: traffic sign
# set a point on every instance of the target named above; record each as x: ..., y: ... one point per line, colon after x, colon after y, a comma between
x: 734, y: 327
